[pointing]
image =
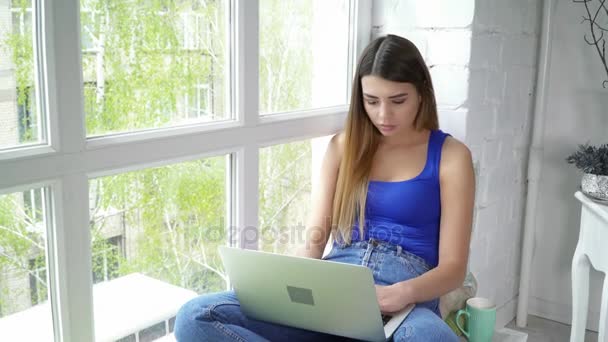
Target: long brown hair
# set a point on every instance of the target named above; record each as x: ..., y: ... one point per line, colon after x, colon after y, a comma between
x: 395, y: 59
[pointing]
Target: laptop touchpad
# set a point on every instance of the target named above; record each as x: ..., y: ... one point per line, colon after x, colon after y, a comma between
x: 300, y: 295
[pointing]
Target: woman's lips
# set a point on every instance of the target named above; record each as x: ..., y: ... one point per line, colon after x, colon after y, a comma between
x: 387, y: 128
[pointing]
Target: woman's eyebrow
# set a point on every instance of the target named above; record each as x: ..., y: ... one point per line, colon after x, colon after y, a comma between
x: 390, y: 97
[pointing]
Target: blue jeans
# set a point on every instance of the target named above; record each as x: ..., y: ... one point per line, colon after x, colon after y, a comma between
x: 217, y: 316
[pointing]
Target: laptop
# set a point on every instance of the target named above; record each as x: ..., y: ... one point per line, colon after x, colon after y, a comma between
x: 318, y: 295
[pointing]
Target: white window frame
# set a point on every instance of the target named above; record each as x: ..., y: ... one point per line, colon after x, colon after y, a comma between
x: 69, y: 160
x: 47, y: 129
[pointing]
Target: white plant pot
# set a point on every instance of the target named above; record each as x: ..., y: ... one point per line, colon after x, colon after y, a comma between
x: 595, y: 186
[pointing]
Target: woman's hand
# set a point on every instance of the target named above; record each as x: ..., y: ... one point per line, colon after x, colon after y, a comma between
x: 392, y: 298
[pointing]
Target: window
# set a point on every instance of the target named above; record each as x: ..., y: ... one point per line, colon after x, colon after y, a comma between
x: 20, y: 120
x: 89, y: 20
x: 145, y: 121
x: 196, y: 30
x: 171, y: 324
x: 107, y: 254
x: 38, y: 283
x: 32, y: 205
x: 23, y: 276
x: 27, y: 121
x: 199, y: 103
x: 303, y: 54
x: 152, y: 333
x: 142, y: 57
x: 130, y: 338
x: 169, y: 221
x: 287, y: 172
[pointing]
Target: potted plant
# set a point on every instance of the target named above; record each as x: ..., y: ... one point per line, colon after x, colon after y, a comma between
x: 593, y: 161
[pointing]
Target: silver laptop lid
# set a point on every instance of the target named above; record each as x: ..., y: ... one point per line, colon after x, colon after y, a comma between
x: 329, y: 297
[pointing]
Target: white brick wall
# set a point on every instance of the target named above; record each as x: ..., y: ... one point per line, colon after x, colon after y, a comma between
x: 425, y: 14
x: 449, y: 47
x: 483, y: 58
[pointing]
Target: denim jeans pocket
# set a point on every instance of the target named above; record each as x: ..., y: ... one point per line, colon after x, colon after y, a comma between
x: 414, y: 263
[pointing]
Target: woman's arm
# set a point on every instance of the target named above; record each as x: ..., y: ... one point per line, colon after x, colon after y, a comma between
x: 318, y: 227
x: 457, y: 181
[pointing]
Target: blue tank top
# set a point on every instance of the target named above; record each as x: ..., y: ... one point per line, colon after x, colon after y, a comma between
x: 407, y: 213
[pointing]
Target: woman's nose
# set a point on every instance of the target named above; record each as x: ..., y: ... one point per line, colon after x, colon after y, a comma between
x: 383, y: 111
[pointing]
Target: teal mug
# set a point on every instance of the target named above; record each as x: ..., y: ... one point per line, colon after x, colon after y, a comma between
x: 480, y: 319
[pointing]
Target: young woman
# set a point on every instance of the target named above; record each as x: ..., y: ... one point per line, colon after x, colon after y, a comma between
x: 396, y: 194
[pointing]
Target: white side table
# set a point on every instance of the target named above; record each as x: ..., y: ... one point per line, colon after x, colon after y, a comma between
x: 591, y: 250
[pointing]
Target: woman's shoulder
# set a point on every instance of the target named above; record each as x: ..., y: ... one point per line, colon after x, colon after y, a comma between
x: 454, y: 146
x: 337, y: 142
x: 455, y: 155
x: 335, y: 148
x: 338, y: 139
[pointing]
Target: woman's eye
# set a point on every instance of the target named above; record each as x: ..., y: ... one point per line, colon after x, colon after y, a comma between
x: 371, y: 103
x: 399, y: 102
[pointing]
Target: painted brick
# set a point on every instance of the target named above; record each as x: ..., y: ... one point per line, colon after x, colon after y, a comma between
x: 486, y: 50
x: 451, y: 85
x: 478, y: 79
x: 497, y: 185
x: 491, y: 151
x: 532, y: 19
x: 427, y: 14
x: 444, y: 13
x: 476, y: 154
x: 495, y: 86
x: 394, y: 13
x: 487, y: 219
x: 481, y: 122
x: 516, y: 50
x: 519, y: 81
x: 478, y: 257
x: 505, y: 16
x: 506, y: 153
x: 453, y: 121
x: 451, y: 47
x: 487, y: 282
x: 417, y: 36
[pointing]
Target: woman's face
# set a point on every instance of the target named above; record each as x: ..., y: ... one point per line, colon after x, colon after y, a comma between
x: 391, y: 106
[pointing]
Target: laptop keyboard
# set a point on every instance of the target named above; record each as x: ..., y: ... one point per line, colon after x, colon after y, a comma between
x: 385, y: 319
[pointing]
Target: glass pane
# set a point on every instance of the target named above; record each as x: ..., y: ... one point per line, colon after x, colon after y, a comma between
x: 155, y: 235
x: 303, y: 54
x: 153, y: 333
x: 20, y: 120
x: 153, y: 64
x: 287, y: 174
x: 23, y: 268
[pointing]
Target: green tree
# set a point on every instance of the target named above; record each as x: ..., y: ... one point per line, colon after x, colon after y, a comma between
x: 20, y: 243
x: 175, y: 216
x: 285, y: 183
x: 285, y: 55
x: 19, y: 46
x: 143, y: 61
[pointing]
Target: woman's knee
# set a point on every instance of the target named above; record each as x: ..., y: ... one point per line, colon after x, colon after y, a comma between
x: 423, y: 324
x: 192, y: 314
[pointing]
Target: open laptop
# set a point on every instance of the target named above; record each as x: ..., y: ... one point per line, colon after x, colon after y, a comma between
x: 330, y: 297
